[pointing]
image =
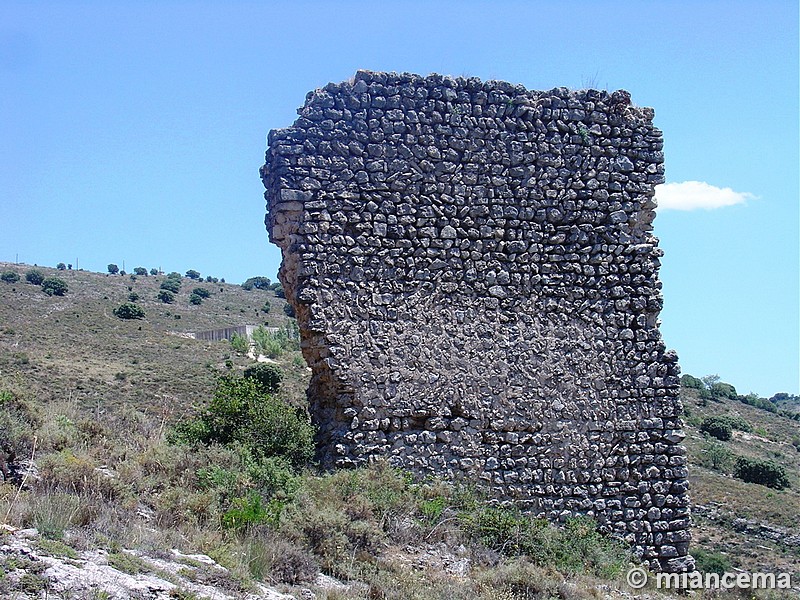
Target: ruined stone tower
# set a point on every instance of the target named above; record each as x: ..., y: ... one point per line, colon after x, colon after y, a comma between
x: 476, y: 284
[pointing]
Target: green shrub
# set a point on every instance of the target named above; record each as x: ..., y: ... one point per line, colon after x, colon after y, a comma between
x: 202, y: 292
x: 240, y: 343
x: 34, y: 276
x: 249, y: 511
x: 9, y: 276
x: 171, y: 285
x: 241, y: 413
x: 259, y: 283
x: 53, y: 286
x: 717, y: 427
x: 192, y: 274
x: 719, y: 457
x: 708, y: 561
x: 578, y: 547
x: 758, y: 402
x: 61, y: 266
x: 724, y: 390
x: 267, y: 377
x: 113, y: 269
x: 166, y: 296
x: 174, y: 275
x: 266, y: 307
x: 140, y: 271
x: 129, y: 310
x: 766, y: 473
x: 133, y: 296
x: 691, y: 382
x: 153, y: 271
x: 195, y: 299
x: 736, y: 422
x: 273, y: 343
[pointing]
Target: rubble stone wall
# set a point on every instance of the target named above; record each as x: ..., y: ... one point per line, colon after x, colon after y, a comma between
x: 476, y: 284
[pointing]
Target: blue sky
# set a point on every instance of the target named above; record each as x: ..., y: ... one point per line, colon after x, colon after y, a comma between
x: 133, y: 131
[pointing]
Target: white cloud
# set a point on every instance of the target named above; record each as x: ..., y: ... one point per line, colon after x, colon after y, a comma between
x: 693, y: 195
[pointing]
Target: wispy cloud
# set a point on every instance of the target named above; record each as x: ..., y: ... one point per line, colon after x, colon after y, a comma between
x: 694, y: 195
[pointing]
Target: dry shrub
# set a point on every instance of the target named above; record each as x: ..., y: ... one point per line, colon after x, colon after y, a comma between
x: 78, y: 473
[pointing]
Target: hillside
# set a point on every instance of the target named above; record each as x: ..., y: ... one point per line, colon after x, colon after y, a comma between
x: 94, y: 400
x: 74, y: 347
x: 754, y: 526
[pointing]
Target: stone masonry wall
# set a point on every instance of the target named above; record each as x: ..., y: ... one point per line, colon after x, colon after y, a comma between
x: 476, y: 283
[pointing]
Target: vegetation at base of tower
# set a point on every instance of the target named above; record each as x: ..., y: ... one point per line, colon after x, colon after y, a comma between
x: 242, y: 414
x: 113, y: 269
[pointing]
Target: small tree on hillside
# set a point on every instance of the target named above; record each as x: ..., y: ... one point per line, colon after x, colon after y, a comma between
x: 725, y: 390
x: 259, y: 283
x: 61, y: 267
x: 766, y: 473
x: 129, y: 310
x: 166, y: 296
x: 192, y: 274
x: 717, y: 427
x: 9, y: 277
x: 172, y: 285
x: 140, y: 271
x: 34, y: 276
x: 691, y: 382
x: 153, y: 271
x: 268, y: 377
x: 202, y: 292
x: 53, y: 286
x: 240, y: 343
x: 113, y: 269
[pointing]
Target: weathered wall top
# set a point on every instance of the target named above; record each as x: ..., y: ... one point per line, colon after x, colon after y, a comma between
x: 475, y: 280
